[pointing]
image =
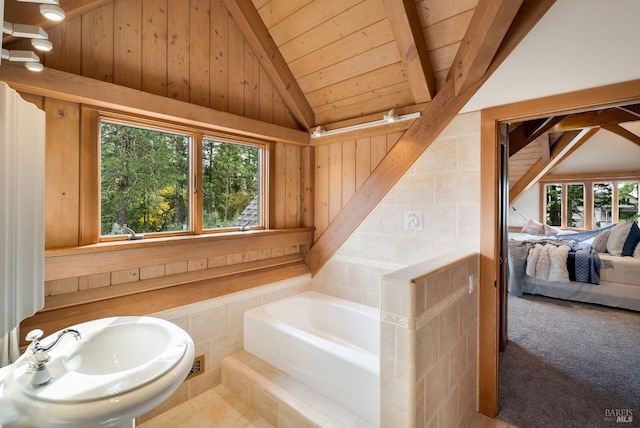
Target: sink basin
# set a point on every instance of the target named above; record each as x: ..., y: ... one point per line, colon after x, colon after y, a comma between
x: 109, y: 352
x: 121, y: 368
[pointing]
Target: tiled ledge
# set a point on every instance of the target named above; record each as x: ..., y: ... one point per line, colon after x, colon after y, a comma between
x: 429, y: 327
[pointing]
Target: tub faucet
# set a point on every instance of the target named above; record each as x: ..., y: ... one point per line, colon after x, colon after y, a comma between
x: 38, y: 357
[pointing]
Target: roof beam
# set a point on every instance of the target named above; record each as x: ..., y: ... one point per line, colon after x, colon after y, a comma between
x: 610, y: 116
x: 423, y: 131
x: 530, y: 131
x: 633, y: 109
x: 79, y: 89
x: 257, y: 35
x: 490, y: 22
x: 623, y: 132
x: 412, y: 46
x: 569, y: 142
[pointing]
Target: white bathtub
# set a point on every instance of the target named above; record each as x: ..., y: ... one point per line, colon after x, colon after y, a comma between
x: 329, y: 344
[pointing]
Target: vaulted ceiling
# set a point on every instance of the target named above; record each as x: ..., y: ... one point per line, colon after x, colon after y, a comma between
x: 557, y: 137
x: 340, y: 62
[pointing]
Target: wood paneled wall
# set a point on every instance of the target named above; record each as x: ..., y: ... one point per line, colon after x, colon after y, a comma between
x: 189, y: 51
x: 63, y: 176
x: 76, y: 275
x: 341, y: 166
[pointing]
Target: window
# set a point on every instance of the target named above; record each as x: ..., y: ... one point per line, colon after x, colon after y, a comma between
x: 230, y: 185
x: 575, y: 205
x: 144, y: 176
x: 148, y: 182
x: 591, y: 203
x: 553, y: 204
x: 602, y: 204
x: 627, y: 200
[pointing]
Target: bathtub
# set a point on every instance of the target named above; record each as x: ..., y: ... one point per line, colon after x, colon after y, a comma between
x: 329, y: 344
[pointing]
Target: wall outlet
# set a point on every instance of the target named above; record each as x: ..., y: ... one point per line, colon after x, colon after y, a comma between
x: 412, y: 220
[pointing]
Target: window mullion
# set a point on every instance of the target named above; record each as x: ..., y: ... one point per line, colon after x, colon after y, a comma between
x: 563, y: 207
x: 197, y: 180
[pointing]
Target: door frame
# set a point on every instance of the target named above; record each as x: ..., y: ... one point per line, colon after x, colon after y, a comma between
x: 489, y: 296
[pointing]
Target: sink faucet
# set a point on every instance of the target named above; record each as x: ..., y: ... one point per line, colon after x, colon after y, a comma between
x: 38, y: 357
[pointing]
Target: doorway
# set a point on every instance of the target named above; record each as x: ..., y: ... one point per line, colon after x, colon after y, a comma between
x: 491, y: 298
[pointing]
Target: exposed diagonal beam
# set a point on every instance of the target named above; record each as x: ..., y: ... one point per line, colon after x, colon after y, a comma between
x: 610, y: 116
x: 490, y: 22
x: 257, y: 35
x: 632, y: 108
x: 569, y: 141
x: 623, y: 132
x: 412, y: 46
x: 436, y: 115
x: 529, y: 131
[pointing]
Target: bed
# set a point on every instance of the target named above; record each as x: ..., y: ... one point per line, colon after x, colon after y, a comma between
x: 616, y: 283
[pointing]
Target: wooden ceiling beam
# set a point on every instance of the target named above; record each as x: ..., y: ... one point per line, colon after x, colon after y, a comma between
x: 412, y: 47
x: 632, y: 108
x: 569, y: 142
x: 488, y: 26
x: 609, y: 116
x: 84, y: 90
x: 257, y: 35
x: 530, y: 131
x: 623, y: 132
x: 423, y: 131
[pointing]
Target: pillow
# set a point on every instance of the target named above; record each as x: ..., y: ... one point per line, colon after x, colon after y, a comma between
x: 551, y: 231
x: 600, y: 241
x: 533, y: 227
x: 618, y: 237
x: 632, y: 240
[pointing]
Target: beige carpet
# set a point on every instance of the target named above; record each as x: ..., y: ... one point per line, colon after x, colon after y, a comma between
x: 570, y: 364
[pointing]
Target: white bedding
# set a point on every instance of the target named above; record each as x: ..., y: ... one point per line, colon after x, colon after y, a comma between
x: 619, y: 281
x: 620, y: 270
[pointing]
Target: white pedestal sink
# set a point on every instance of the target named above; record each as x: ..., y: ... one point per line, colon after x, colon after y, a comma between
x: 121, y: 368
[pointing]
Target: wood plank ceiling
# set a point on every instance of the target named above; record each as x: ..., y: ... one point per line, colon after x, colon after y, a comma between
x: 337, y: 62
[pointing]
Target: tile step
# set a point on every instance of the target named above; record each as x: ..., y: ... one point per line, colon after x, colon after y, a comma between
x: 280, y: 399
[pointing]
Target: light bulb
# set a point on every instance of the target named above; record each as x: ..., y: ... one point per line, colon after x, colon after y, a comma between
x: 52, y: 12
x: 34, y: 66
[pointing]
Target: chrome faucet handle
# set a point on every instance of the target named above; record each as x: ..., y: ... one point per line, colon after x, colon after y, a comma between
x: 34, y: 335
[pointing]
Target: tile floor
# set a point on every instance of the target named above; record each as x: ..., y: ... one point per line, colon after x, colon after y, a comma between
x: 215, y: 408
x: 220, y: 408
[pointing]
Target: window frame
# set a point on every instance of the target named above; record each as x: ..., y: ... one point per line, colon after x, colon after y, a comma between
x: 90, y: 193
x: 588, y: 180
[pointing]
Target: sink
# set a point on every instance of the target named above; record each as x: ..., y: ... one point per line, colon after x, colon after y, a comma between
x: 121, y: 368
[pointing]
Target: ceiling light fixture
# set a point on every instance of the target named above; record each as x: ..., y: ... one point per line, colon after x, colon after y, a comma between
x: 52, y: 12
x: 39, y: 37
x: 24, y: 30
x: 42, y: 45
x: 34, y: 66
x: 319, y: 132
x: 390, y: 117
x: 19, y: 56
